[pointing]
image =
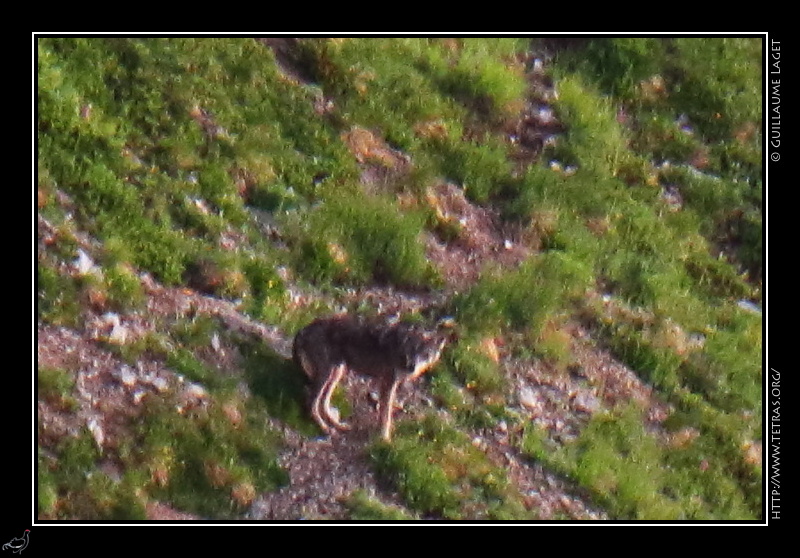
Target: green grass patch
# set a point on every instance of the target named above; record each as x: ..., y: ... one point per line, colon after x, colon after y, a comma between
x: 73, y: 488
x: 206, y: 463
x: 353, y: 239
x: 55, y: 386
x: 363, y: 507
x: 476, y: 370
x: 279, y: 384
x: 634, y: 475
x: 209, y: 460
x: 57, y: 300
x: 522, y: 299
x: 595, y: 139
x: 439, y: 473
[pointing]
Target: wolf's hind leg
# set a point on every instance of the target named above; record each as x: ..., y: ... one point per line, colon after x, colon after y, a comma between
x: 324, y: 398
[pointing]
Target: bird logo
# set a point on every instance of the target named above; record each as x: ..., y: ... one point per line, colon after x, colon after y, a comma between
x: 17, y: 544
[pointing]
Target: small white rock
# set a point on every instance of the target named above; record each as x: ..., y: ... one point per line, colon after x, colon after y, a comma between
x: 545, y: 115
x: 127, y: 376
x: 697, y: 341
x: 84, y: 263
x: 118, y: 335
x: 195, y: 390
x: 97, y: 431
x: 586, y: 402
x: 201, y: 205
x: 138, y: 395
x: 159, y: 383
x: 749, y: 306
x: 528, y: 398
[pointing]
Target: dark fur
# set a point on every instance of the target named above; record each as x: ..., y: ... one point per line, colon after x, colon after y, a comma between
x: 393, y: 352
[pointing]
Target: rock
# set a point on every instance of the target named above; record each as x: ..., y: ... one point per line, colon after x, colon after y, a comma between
x: 84, y: 264
x: 126, y: 375
x: 586, y: 402
x: 97, y: 431
x: 749, y: 306
x: 530, y: 399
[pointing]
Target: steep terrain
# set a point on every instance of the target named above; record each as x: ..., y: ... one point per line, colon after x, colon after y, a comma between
x: 587, y: 214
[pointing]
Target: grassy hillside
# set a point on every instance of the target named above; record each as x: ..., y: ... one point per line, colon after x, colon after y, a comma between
x: 589, y: 211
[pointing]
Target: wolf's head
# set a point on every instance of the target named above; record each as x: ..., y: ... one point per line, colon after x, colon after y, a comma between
x: 422, y: 350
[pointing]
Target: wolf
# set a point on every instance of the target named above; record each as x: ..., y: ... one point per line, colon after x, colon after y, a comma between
x: 391, y: 352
